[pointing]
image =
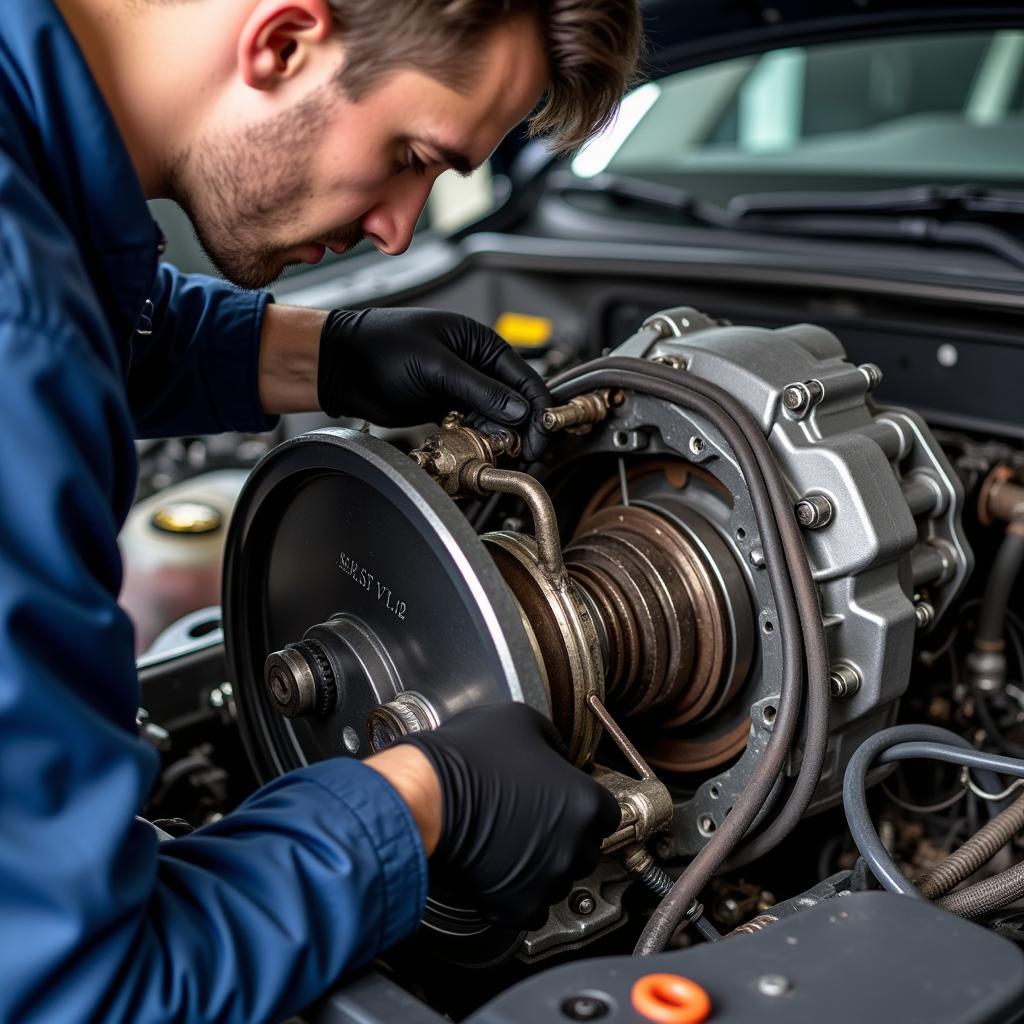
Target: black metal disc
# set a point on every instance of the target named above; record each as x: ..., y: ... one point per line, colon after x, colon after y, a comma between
x: 337, y: 523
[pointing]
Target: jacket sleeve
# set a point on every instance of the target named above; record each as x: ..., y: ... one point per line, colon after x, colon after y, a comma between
x: 195, y: 360
x: 248, y: 919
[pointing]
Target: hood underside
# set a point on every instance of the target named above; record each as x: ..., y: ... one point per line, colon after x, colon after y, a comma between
x: 687, y: 33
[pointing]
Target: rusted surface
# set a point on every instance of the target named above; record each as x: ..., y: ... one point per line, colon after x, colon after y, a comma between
x: 699, y: 752
x: 681, y: 644
x: 1001, y: 497
x: 567, y: 638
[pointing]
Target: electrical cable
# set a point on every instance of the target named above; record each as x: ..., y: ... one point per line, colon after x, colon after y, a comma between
x: 919, y: 809
x: 973, y: 787
x: 796, y: 603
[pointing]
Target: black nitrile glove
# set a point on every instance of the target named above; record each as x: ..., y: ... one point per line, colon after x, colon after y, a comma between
x: 519, y: 823
x: 401, y: 367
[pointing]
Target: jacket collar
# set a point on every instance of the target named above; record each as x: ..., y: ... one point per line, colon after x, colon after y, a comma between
x: 78, y: 156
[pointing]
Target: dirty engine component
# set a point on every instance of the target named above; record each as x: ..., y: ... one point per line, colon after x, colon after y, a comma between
x: 727, y: 529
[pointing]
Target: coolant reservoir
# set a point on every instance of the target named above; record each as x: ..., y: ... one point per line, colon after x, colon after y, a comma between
x: 172, y: 545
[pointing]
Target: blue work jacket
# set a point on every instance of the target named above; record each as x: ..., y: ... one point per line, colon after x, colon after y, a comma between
x: 248, y: 919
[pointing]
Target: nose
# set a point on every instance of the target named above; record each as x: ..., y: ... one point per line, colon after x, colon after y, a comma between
x: 390, y: 223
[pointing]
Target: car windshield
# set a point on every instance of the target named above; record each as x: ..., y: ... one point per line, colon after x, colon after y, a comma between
x: 878, y: 113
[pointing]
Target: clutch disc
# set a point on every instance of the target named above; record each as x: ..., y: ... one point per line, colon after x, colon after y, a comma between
x: 346, y: 554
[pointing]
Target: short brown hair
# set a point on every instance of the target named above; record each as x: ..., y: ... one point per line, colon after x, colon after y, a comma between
x: 593, y: 48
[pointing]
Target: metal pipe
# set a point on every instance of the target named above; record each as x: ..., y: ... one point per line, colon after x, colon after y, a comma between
x: 487, y: 480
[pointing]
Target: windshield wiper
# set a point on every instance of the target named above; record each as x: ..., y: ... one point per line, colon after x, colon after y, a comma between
x: 920, y: 214
x: 958, y: 215
x: 625, y: 190
x: 941, y: 200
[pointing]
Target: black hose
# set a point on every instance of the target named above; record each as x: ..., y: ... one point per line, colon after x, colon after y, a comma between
x: 819, y: 694
x: 998, y: 587
x: 796, y: 603
x: 878, y: 859
x: 975, y: 852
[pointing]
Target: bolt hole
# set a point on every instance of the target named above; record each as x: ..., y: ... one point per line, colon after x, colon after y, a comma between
x: 620, y: 439
x: 706, y: 825
x: 204, y: 628
x: 769, y: 713
x: 768, y: 627
x: 714, y: 792
x: 741, y: 534
x: 697, y: 445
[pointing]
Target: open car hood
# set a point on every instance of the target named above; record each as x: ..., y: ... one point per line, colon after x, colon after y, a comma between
x: 686, y: 33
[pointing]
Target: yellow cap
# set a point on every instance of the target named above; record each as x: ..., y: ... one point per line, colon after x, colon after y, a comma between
x: 187, y: 517
x: 523, y: 330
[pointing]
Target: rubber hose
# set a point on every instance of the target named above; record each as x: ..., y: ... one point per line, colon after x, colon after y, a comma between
x: 815, y: 649
x: 975, y: 852
x: 998, y: 587
x: 983, y: 897
x: 635, y: 375
x: 984, y: 764
x: 775, y: 519
x: 855, y: 803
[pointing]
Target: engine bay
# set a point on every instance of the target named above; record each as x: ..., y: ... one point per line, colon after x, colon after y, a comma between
x: 739, y: 586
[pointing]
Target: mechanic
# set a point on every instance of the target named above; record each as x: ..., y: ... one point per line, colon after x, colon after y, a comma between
x: 283, y: 127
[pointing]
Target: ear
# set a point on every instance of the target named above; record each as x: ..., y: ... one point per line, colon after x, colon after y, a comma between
x: 278, y: 38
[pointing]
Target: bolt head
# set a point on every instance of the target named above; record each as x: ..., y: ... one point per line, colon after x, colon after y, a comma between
x: 794, y: 397
x: 806, y: 514
x: 773, y: 984
x: 584, y: 1008
x: 582, y: 903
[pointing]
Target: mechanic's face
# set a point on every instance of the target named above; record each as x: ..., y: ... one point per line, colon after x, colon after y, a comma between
x: 328, y: 172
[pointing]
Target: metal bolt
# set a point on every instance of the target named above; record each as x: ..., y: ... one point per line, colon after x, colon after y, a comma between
x: 351, y: 739
x: 584, y: 1008
x: 844, y: 680
x: 799, y: 398
x: 513, y: 524
x: 582, y: 902
x: 300, y: 681
x: 728, y: 910
x: 407, y: 713
x: 924, y: 613
x: 773, y: 984
x: 872, y: 374
x: 697, y: 445
x: 814, y: 511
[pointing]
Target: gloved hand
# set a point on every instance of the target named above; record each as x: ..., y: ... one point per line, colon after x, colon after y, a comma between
x: 400, y: 367
x: 519, y: 823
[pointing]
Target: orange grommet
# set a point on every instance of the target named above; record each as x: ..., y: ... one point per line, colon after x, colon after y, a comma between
x: 670, y: 999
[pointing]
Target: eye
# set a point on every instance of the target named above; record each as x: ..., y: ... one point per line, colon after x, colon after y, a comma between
x: 414, y: 163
